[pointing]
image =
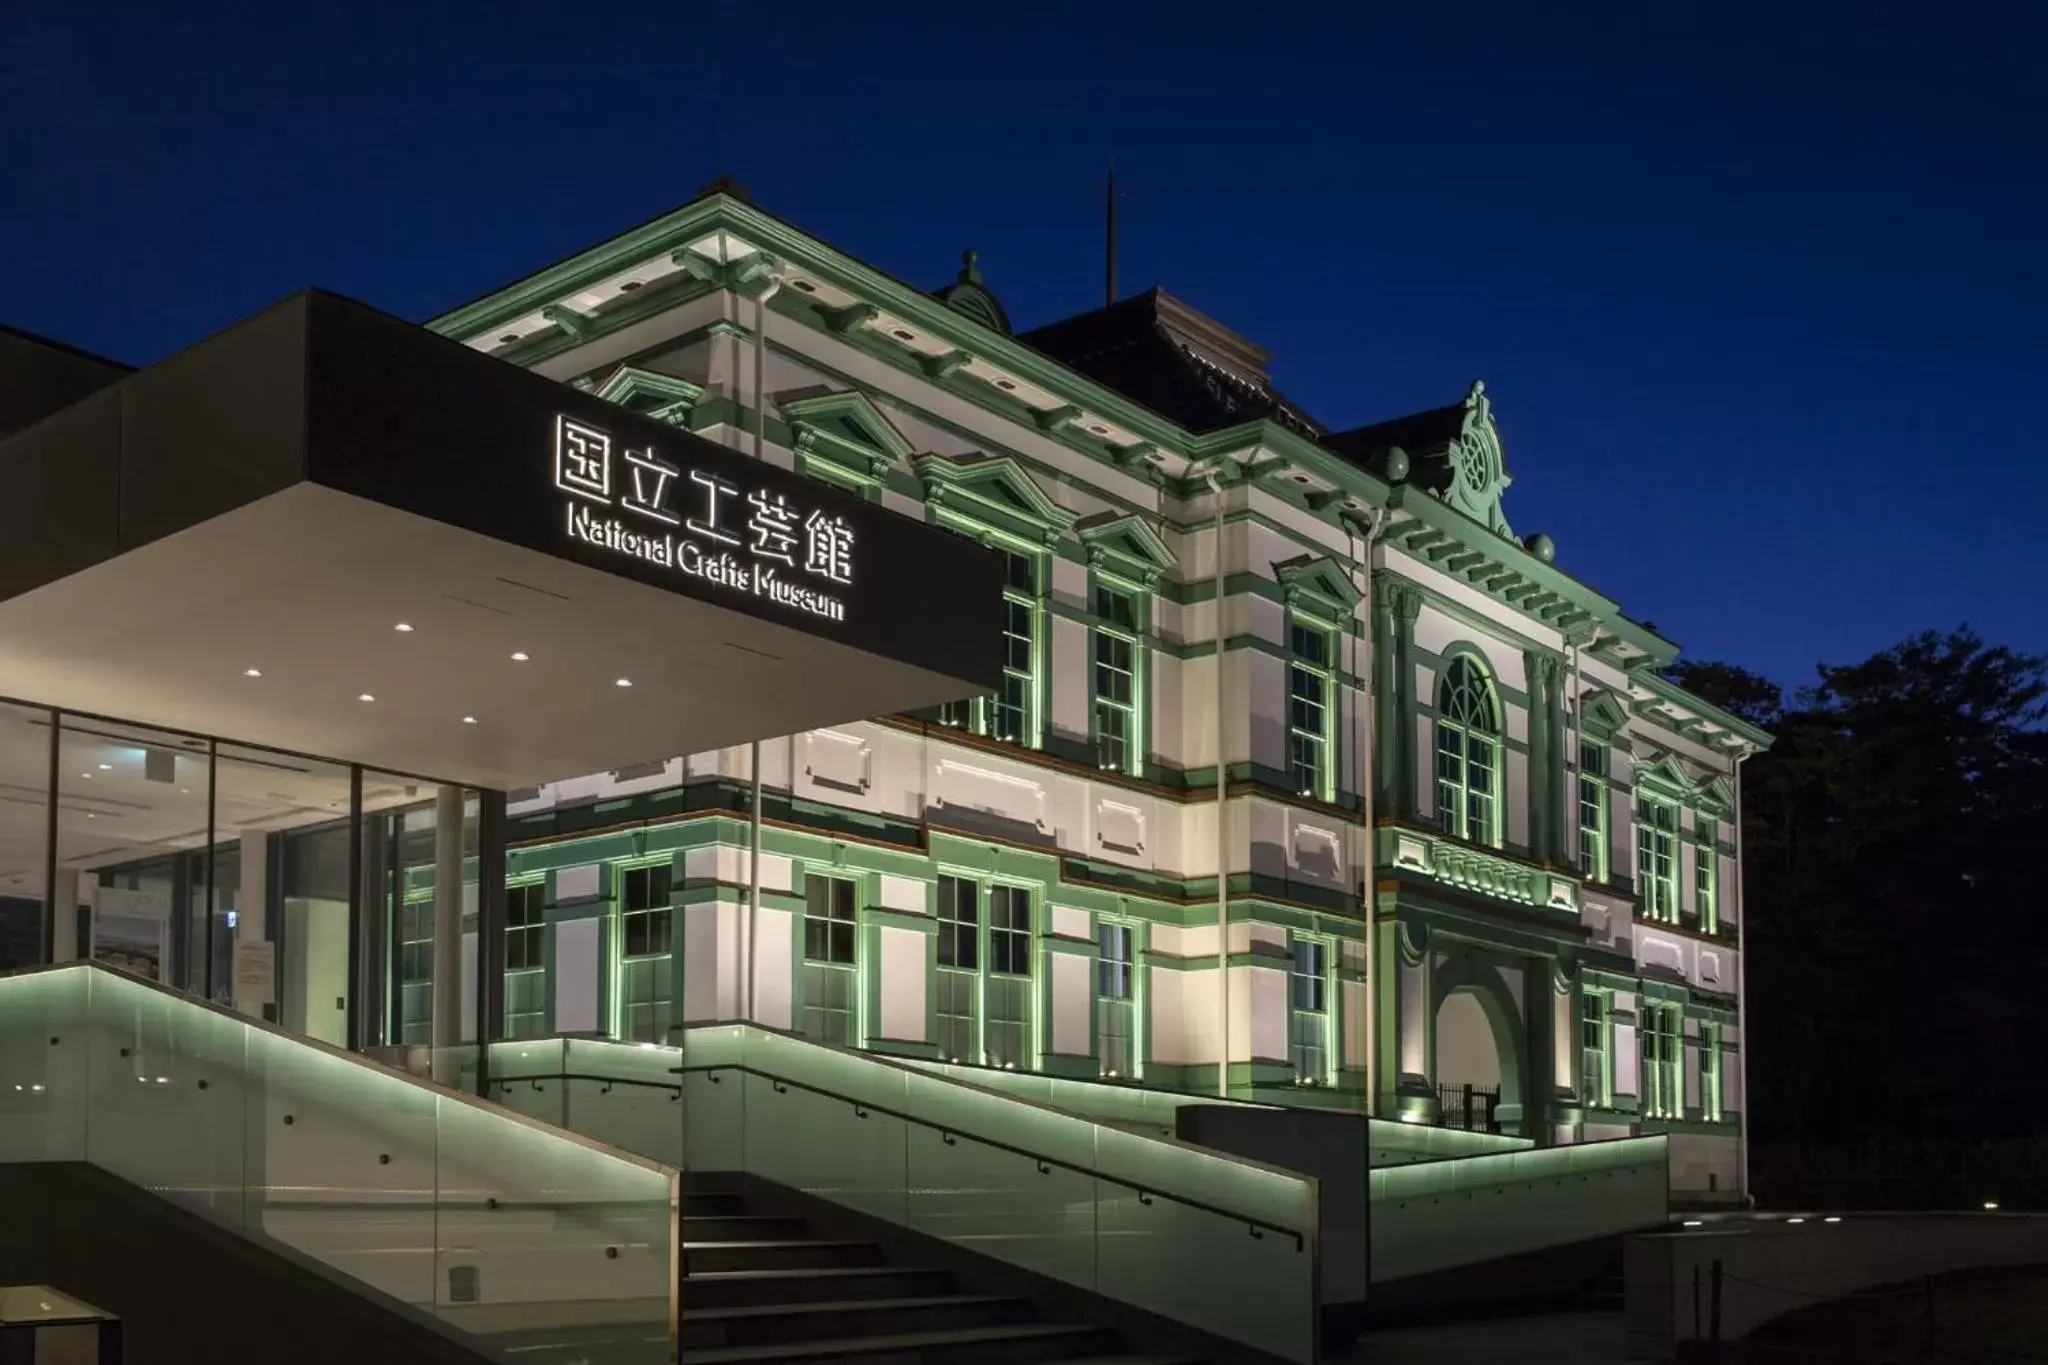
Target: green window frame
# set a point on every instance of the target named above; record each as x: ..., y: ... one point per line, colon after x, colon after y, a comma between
x: 1014, y: 711
x: 526, y: 980
x: 1117, y: 682
x: 1657, y: 858
x: 958, y: 987
x: 1118, y: 1054
x: 643, y: 1009
x: 1596, y: 1049
x: 831, y: 960
x: 1659, y: 1036
x: 1310, y: 1015
x: 1706, y: 873
x: 1311, y: 709
x: 1595, y: 852
x: 987, y: 973
x: 1711, y: 1108
x: 1468, y: 753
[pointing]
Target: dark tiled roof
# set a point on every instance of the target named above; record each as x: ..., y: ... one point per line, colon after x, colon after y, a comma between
x: 1162, y: 354
x: 1419, y: 433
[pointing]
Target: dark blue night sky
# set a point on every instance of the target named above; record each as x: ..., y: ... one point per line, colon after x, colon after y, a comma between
x: 1760, y: 292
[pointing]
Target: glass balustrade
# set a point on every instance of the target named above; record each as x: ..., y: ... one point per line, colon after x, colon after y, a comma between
x: 1435, y: 1215
x: 1213, y: 1242
x: 536, y: 1240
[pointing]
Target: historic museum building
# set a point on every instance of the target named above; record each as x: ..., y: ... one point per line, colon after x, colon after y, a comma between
x: 1214, y: 608
x: 1306, y: 780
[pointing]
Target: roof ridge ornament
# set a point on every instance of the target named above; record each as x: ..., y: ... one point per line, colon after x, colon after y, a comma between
x: 1479, y: 473
x: 969, y: 296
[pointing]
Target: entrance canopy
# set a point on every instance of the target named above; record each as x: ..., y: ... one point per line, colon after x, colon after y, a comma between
x: 328, y: 531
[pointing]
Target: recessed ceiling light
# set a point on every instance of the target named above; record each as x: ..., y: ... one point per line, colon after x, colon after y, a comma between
x: 366, y: 697
x: 469, y: 720
x: 106, y: 767
x: 519, y: 656
x: 403, y: 628
x: 252, y: 672
x: 85, y: 774
x: 625, y: 682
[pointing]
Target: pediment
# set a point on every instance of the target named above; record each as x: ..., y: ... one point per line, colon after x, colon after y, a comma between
x: 663, y: 397
x: 985, y: 486
x: 1126, y: 545
x: 849, y: 418
x: 1322, y: 581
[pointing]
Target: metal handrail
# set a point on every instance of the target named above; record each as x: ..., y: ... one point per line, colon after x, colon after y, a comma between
x: 862, y: 1108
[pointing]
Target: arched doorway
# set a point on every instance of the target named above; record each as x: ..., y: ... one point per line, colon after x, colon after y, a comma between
x: 1479, y: 1042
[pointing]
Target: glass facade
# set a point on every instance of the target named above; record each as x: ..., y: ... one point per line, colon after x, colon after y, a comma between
x: 296, y: 890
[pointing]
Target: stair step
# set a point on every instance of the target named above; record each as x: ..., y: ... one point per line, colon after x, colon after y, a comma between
x: 742, y: 1288
x: 711, y: 1204
x: 1021, y: 1344
x: 763, y: 1324
x: 743, y: 1227
x: 791, y: 1255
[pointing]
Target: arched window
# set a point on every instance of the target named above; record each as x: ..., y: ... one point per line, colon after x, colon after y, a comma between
x: 1468, y: 753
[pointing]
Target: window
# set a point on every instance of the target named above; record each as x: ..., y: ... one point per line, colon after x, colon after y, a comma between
x: 1007, y: 1037
x: 526, y: 985
x: 1309, y: 987
x: 645, y: 922
x: 831, y: 952
x: 828, y: 920
x: 1012, y: 710
x: 1596, y: 1049
x: 1662, y: 1098
x: 1116, y: 989
x: 959, y: 950
x: 1593, y: 851
x: 1310, y: 651
x: 1118, y: 741
x: 1467, y: 754
x: 1710, y: 1073
x: 1657, y: 858
x: 985, y: 983
x: 1706, y: 862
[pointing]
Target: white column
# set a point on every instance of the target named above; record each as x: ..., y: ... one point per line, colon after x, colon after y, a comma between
x: 252, y: 916
x: 447, y: 1015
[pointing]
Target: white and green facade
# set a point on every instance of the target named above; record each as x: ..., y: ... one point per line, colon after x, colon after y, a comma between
x: 1466, y: 833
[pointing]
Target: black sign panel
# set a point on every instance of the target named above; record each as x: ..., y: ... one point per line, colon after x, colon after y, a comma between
x: 418, y: 422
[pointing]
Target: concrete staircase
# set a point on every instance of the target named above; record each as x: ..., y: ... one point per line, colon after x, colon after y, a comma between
x: 763, y: 1287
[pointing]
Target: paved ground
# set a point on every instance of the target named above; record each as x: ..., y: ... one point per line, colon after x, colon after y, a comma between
x: 1556, y: 1339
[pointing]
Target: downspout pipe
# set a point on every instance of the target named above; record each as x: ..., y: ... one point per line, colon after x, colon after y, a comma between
x: 1742, y: 980
x: 773, y: 287
x: 1222, y: 812
x: 1367, y: 529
